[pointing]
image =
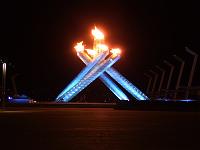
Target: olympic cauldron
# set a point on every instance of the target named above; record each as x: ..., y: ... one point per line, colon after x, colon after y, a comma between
x: 99, y: 61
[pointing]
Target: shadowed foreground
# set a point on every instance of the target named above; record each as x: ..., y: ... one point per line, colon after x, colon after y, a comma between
x: 98, y: 128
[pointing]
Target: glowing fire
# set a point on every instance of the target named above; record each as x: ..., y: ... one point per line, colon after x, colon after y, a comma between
x: 115, y: 51
x: 91, y: 52
x: 98, y: 45
x: 97, y: 34
x: 79, y: 47
x: 102, y: 47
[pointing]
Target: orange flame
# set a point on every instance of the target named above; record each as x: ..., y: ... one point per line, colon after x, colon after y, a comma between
x: 97, y: 34
x: 79, y: 47
x: 102, y: 47
x: 115, y: 51
x: 98, y: 46
x: 91, y: 52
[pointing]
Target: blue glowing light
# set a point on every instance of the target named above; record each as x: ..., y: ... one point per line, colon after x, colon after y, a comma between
x: 90, y: 77
x: 133, y: 90
x: 121, y: 80
x: 186, y: 100
x: 82, y: 74
x: 20, y: 100
x: 105, y: 79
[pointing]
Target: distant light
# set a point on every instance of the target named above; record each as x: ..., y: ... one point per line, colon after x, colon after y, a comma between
x: 9, y: 97
x: 186, y: 100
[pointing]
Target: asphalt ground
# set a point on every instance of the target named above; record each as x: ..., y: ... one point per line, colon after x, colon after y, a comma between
x: 42, y: 128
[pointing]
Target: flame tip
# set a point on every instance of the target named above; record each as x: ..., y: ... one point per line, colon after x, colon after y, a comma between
x: 97, y: 33
x: 79, y: 47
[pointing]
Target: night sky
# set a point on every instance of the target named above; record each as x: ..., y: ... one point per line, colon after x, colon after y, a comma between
x: 37, y: 39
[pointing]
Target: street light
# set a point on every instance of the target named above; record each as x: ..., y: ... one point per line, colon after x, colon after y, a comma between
x: 3, y: 83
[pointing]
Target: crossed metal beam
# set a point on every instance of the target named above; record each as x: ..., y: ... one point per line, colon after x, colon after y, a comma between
x: 100, y: 66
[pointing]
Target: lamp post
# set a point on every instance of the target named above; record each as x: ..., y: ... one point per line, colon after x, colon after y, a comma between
x: 3, y: 84
x: 170, y: 74
x: 180, y: 73
x: 192, y: 70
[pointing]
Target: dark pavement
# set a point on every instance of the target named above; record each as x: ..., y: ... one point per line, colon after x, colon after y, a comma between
x: 98, y: 129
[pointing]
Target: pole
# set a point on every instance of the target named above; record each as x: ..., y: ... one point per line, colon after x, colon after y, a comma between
x: 155, y: 79
x: 149, y: 82
x: 170, y: 74
x: 180, y: 73
x: 162, y: 77
x: 192, y: 70
x: 4, y: 84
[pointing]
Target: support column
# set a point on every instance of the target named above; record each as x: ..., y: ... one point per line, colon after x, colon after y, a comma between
x: 149, y: 82
x: 192, y: 70
x: 162, y: 77
x: 170, y: 75
x: 154, y: 82
x: 180, y: 73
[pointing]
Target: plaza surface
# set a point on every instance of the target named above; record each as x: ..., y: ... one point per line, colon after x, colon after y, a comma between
x: 98, y: 128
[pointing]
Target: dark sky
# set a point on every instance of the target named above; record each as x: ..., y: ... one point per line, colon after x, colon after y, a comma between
x: 38, y: 37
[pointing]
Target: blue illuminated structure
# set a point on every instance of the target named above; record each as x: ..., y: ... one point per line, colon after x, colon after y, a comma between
x: 133, y: 90
x: 82, y: 74
x: 105, y: 79
x: 98, y: 64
